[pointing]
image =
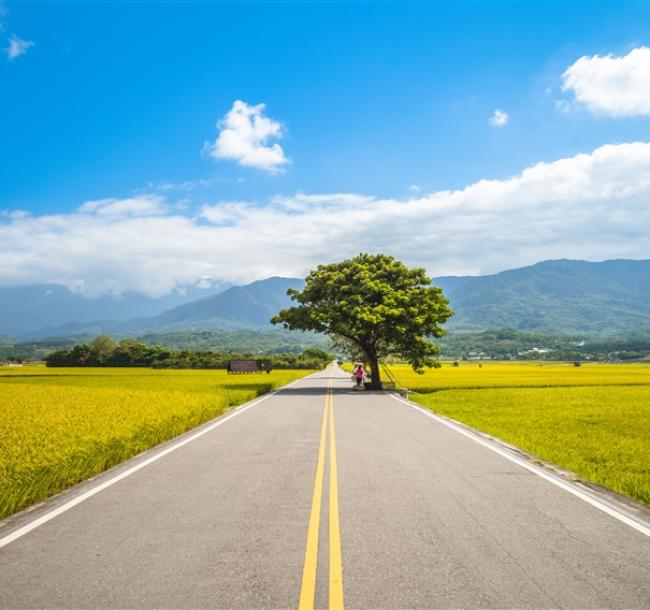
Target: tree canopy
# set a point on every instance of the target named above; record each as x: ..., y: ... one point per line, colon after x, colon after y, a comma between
x: 375, y: 302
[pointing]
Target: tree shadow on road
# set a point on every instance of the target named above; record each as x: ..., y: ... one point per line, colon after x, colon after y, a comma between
x: 320, y: 391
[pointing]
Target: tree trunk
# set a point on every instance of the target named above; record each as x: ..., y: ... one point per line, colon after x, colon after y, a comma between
x: 375, y: 380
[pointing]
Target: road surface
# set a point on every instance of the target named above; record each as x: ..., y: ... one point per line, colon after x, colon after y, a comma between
x: 320, y: 496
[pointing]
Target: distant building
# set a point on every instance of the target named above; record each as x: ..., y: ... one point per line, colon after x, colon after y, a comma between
x: 535, y: 351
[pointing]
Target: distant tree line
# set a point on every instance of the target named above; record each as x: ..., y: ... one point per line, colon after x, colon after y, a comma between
x: 103, y: 351
x: 220, y: 341
x: 511, y: 344
x: 500, y: 344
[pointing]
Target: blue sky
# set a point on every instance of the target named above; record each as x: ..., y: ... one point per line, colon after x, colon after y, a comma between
x: 381, y: 101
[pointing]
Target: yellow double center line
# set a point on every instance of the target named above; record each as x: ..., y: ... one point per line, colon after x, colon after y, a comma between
x: 308, y: 590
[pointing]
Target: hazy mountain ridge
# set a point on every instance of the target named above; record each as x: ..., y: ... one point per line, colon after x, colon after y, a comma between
x: 559, y: 296
x: 565, y: 296
x: 251, y: 305
x: 238, y: 307
x: 37, y: 308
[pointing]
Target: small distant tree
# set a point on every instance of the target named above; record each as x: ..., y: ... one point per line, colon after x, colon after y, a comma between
x: 101, y: 348
x: 376, y: 303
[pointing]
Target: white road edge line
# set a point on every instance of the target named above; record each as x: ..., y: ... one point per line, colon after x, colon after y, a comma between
x: 611, y: 511
x: 25, y: 529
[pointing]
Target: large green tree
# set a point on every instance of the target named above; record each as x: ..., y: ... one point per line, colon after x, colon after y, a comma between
x: 375, y: 302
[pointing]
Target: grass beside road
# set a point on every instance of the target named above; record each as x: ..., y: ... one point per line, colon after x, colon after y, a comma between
x: 61, y: 426
x: 593, y: 420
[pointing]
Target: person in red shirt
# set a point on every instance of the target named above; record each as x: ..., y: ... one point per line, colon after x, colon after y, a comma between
x: 359, y: 374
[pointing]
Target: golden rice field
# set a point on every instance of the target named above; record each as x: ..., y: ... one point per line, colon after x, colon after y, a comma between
x: 593, y: 420
x: 60, y: 426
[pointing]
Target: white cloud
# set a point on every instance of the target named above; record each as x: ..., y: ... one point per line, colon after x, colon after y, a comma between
x: 15, y: 214
x: 225, y: 212
x: 143, y: 205
x: 166, y: 186
x: 563, y: 106
x: 18, y: 47
x: 414, y: 188
x: 304, y: 202
x: 499, y: 118
x: 618, y: 86
x: 592, y: 206
x: 245, y: 135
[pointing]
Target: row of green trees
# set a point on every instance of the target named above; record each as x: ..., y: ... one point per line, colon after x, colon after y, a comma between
x: 511, y: 344
x: 103, y: 351
x: 240, y: 341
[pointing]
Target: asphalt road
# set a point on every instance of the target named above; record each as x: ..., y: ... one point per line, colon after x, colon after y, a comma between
x: 254, y: 512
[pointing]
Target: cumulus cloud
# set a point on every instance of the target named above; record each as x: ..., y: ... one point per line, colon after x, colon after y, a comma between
x: 617, y: 86
x: 18, y: 47
x: 245, y: 136
x: 499, y: 118
x: 591, y: 206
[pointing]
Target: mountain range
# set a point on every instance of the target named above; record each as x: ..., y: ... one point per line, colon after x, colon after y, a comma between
x: 237, y: 307
x: 559, y: 296
x: 43, y: 309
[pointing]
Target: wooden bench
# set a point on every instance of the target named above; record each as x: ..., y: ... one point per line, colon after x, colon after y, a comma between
x: 249, y: 366
x: 265, y: 365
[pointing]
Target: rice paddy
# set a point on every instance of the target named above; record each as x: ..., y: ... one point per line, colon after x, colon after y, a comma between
x: 61, y: 426
x: 593, y: 420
